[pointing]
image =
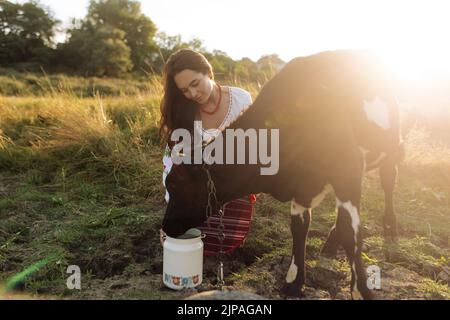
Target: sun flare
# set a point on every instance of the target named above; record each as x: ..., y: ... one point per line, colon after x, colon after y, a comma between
x: 414, y: 65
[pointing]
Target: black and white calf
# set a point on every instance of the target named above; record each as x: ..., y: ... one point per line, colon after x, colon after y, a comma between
x: 336, y: 118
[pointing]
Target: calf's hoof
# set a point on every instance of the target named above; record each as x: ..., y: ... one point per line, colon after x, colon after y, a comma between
x: 362, y: 294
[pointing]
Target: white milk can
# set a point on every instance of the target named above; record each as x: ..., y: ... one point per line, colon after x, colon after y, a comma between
x: 183, y: 260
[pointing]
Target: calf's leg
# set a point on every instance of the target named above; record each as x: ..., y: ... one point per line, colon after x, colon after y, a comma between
x: 388, y: 175
x: 348, y: 227
x: 346, y: 181
x: 295, y: 278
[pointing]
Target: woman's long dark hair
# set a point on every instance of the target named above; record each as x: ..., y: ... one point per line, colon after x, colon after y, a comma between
x: 176, y: 110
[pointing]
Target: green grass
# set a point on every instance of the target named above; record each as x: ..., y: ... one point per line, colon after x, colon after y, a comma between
x: 434, y: 290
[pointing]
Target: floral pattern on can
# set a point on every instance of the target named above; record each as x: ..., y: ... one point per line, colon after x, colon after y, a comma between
x: 182, y: 281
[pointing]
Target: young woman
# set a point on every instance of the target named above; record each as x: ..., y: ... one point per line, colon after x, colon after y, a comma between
x: 190, y: 94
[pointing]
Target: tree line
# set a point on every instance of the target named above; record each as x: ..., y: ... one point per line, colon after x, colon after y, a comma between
x: 114, y: 39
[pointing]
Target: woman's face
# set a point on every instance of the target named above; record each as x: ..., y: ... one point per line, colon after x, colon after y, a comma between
x: 194, y: 85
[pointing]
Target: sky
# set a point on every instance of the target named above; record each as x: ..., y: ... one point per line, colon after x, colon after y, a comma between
x: 411, y: 35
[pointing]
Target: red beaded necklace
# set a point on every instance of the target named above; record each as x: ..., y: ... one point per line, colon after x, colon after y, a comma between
x: 217, y: 105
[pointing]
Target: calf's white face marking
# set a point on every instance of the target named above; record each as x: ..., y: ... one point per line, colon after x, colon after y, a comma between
x: 377, y: 111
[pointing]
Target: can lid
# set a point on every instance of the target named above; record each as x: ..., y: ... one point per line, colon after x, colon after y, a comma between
x: 190, y: 234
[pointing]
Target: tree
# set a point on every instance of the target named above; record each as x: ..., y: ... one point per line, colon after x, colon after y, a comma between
x: 166, y: 46
x: 110, y: 55
x: 169, y: 44
x: 97, y: 50
x: 222, y: 64
x: 270, y: 64
x: 138, y: 29
x: 245, y: 70
x: 26, y: 32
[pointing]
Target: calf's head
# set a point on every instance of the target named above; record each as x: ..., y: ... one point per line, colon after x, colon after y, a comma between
x: 188, y: 197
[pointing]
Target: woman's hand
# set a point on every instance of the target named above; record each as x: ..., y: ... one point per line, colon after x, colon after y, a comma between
x: 162, y: 234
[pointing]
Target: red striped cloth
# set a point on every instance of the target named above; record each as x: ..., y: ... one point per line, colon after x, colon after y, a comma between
x: 237, y: 220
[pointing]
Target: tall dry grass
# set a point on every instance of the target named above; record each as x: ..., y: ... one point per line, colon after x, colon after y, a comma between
x: 101, y: 137
x: 427, y: 157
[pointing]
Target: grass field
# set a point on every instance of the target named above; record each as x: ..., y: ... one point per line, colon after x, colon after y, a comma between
x: 80, y: 184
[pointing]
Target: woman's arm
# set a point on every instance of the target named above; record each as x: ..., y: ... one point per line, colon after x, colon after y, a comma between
x: 167, y: 163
